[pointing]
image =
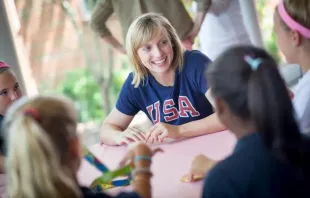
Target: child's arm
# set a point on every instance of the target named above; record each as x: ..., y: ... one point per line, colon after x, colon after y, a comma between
x: 140, y: 156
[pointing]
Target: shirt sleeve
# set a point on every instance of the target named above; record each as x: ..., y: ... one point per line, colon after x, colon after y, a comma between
x: 126, y: 102
x: 217, y: 185
x: 198, y: 64
x: 102, y: 11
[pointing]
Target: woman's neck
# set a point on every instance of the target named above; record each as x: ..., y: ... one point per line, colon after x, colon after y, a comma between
x: 165, y: 79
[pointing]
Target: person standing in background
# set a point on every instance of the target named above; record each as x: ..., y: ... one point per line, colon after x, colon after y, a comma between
x: 128, y: 10
x: 219, y: 27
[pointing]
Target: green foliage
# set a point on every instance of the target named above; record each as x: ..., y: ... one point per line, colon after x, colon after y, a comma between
x: 265, y: 16
x: 81, y: 87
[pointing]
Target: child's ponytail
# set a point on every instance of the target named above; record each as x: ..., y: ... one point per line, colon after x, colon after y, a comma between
x: 35, y: 156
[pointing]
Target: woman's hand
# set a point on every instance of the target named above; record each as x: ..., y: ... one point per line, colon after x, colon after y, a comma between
x: 161, y: 130
x: 131, y: 134
x: 200, y: 166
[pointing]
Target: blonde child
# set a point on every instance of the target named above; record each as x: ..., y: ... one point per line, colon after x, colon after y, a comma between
x: 292, y: 27
x: 44, y: 152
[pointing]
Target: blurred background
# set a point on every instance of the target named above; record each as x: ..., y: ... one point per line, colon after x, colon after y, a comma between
x: 66, y: 57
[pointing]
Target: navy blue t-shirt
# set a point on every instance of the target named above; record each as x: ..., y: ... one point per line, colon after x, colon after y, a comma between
x: 253, y: 172
x: 184, y: 102
x: 87, y: 193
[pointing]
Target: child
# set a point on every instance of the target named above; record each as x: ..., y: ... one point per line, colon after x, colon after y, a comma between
x: 9, y: 92
x: 9, y: 88
x: 44, y: 152
x: 292, y: 27
x: 271, y: 158
x: 167, y: 84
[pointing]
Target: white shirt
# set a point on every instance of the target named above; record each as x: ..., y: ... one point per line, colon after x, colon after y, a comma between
x: 301, y: 102
x: 222, y: 28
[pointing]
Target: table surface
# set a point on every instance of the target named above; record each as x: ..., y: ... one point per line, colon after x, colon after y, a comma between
x: 167, y: 167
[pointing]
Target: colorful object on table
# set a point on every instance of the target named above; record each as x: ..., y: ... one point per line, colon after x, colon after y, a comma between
x: 106, y: 180
x: 196, y: 178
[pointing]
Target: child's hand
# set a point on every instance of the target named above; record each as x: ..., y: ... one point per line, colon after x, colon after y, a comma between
x: 200, y: 166
x: 139, y: 149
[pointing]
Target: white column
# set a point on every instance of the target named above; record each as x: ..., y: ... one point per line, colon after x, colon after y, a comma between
x: 251, y: 23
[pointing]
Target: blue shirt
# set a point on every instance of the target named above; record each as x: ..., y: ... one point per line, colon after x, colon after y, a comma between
x: 252, y: 172
x: 184, y: 102
x: 87, y: 193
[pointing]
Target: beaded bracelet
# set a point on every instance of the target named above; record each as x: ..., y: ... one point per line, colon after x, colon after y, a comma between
x: 137, y: 171
x: 143, y: 157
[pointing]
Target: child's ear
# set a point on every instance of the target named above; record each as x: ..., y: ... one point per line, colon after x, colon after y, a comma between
x: 75, y: 148
x: 296, y: 38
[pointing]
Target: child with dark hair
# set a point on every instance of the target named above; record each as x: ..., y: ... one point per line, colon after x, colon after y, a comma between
x: 271, y: 158
x: 292, y: 27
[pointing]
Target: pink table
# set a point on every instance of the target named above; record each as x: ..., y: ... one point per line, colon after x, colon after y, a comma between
x: 167, y: 167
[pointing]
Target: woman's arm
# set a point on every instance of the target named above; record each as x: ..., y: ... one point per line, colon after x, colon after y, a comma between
x: 115, y: 130
x: 204, y: 126
x: 102, y: 12
x: 115, y: 123
x: 210, y: 124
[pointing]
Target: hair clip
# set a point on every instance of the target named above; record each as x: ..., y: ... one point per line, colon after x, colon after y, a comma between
x: 254, y: 63
x: 4, y: 65
x: 31, y: 112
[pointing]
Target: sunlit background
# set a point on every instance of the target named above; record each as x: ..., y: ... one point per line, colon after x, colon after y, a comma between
x: 66, y: 57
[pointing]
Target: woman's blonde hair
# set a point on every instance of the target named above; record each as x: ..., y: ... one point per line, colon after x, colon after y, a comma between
x: 142, y: 30
x: 38, y: 133
x: 299, y: 10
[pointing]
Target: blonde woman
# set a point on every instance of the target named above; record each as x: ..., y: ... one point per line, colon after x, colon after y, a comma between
x: 44, y: 153
x: 167, y: 84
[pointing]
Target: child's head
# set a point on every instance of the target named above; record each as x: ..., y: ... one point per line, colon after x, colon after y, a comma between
x: 251, y: 96
x: 42, y: 147
x: 153, y: 46
x: 9, y: 87
x: 292, y: 27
